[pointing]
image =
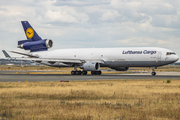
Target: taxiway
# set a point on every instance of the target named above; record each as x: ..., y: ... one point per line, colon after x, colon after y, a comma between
x: 64, y: 77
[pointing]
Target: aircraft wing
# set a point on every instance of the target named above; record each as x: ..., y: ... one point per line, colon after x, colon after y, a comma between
x: 52, y: 60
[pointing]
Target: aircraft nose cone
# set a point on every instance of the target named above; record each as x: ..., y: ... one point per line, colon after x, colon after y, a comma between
x: 176, y: 58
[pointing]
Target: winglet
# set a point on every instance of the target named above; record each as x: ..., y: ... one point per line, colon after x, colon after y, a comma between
x: 6, y: 54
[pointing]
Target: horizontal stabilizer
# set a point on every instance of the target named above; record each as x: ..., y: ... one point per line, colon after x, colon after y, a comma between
x: 6, y: 54
x: 29, y: 55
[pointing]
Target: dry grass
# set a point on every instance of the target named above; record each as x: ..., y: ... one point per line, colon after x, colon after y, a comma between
x: 18, y: 67
x: 118, y: 99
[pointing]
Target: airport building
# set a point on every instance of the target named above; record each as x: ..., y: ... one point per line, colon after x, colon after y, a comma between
x: 177, y: 63
x: 16, y: 62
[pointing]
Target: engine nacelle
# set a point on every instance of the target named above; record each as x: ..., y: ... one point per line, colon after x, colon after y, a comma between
x: 121, y: 68
x: 91, y: 66
x: 36, y: 45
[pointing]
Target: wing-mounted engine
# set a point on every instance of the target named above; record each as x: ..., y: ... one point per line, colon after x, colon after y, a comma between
x: 39, y: 45
x: 121, y: 68
x: 90, y: 66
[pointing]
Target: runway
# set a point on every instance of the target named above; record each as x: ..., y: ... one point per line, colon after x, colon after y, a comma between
x: 65, y: 77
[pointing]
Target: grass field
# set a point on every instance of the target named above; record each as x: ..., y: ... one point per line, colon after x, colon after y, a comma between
x: 91, y: 100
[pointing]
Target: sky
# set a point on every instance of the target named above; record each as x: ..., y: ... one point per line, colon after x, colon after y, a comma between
x: 92, y: 23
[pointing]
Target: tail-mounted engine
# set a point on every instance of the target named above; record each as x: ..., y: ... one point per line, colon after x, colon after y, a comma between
x: 34, y: 42
x: 39, y: 45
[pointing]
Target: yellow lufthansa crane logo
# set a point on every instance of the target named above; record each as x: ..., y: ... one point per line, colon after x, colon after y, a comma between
x: 29, y: 33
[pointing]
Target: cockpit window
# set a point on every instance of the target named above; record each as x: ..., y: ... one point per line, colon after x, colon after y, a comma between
x: 170, y: 53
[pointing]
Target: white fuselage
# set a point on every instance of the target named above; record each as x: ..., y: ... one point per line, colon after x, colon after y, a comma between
x: 114, y: 57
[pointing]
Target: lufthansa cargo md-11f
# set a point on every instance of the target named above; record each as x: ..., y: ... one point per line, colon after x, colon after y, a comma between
x: 91, y: 59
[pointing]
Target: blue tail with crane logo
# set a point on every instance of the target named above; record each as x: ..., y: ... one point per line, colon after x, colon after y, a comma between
x: 30, y: 32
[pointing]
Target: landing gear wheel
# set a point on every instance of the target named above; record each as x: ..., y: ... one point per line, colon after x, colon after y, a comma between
x: 153, y: 73
x: 92, y: 72
x: 72, y: 72
x: 84, y: 72
x: 96, y: 72
x: 76, y: 72
x: 79, y: 72
x: 99, y: 72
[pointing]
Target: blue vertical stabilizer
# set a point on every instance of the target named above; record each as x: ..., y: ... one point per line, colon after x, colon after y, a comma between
x: 30, y: 32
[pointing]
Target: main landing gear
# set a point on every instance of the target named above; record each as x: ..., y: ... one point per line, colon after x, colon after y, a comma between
x: 96, y: 72
x: 85, y: 72
x: 153, y: 71
x: 78, y: 72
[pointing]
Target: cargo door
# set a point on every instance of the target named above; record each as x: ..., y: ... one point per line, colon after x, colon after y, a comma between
x: 159, y: 54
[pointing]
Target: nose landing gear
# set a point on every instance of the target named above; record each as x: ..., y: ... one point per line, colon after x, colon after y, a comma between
x: 153, y: 71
